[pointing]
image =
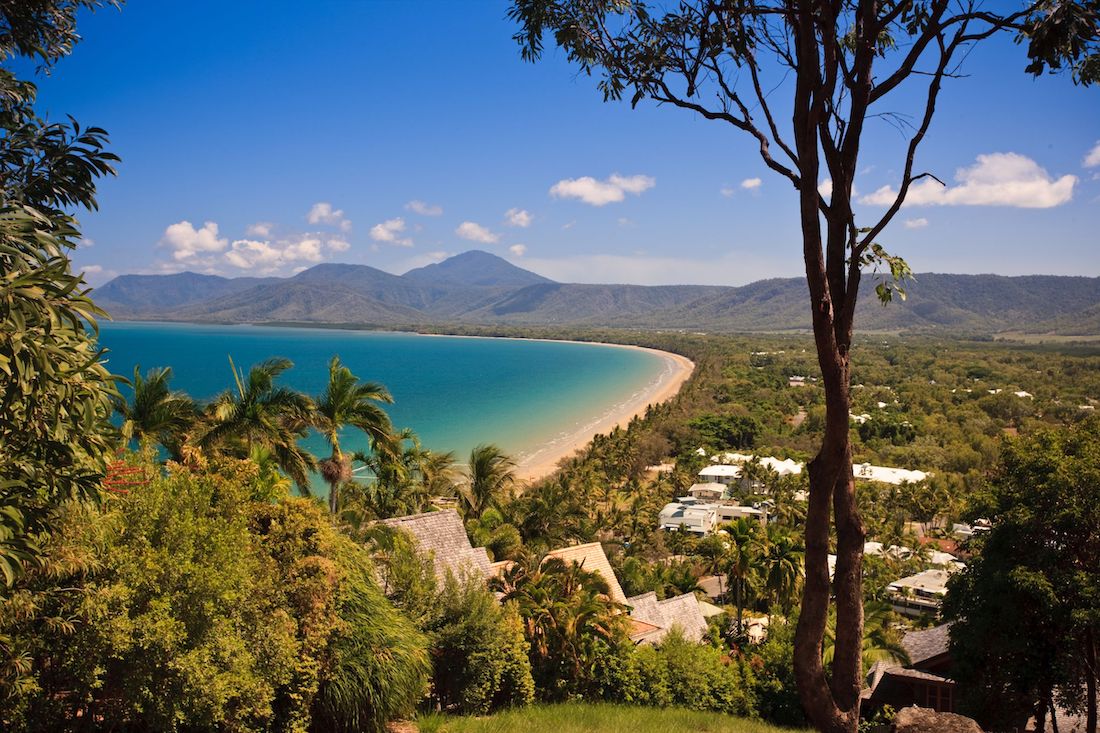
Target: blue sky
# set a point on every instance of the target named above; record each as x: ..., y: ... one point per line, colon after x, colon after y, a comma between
x: 261, y: 138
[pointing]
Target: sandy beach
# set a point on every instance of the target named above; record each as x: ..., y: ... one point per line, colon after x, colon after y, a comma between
x: 544, y: 461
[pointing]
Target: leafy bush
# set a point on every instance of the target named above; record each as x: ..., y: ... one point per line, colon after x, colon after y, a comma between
x: 479, y: 654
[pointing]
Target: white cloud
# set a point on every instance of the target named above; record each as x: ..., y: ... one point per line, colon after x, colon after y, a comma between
x: 186, y: 241
x: 476, y: 233
x: 424, y: 209
x: 91, y: 269
x: 86, y: 242
x: 338, y: 244
x: 825, y: 188
x: 751, y: 184
x: 266, y: 257
x: 918, y: 223
x: 260, y: 229
x: 995, y: 179
x: 1092, y: 158
x: 519, y: 250
x: 625, y: 222
x: 323, y: 212
x: 599, y: 193
x: 727, y: 191
x: 389, y: 231
x: 518, y: 217
x: 569, y: 224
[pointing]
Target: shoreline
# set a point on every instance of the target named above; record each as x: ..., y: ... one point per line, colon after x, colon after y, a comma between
x: 542, y: 461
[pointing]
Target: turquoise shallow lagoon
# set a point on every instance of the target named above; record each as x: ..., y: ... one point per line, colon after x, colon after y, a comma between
x: 455, y: 392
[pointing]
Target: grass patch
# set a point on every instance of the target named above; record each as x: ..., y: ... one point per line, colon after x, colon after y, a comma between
x: 600, y: 718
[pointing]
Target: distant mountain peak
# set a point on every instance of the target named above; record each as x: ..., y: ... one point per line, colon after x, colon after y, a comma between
x: 478, y: 268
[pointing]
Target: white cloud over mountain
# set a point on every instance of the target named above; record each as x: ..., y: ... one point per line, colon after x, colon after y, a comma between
x: 390, y: 232
x: 995, y: 179
x: 324, y: 213
x: 751, y: 184
x: 1092, y: 157
x: 474, y: 232
x: 187, y: 242
x: 600, y: 193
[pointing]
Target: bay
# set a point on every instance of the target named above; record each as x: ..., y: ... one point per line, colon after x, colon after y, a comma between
x: 454, y: 392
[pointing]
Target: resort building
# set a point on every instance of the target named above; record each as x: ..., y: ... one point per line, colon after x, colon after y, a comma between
x: 919, y: 594
x: 884, y: 475
x: 442, y: 537
x: 924, y: 681
x: 682, y: 612
x: 709, y: 491
x: 689, y: 515
x: 592, y: 558
x: 721, y: 474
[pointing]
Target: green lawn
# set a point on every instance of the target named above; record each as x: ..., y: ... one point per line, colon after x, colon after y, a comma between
x: 580, y: 718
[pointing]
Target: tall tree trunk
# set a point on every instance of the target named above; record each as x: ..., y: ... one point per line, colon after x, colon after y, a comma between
x: 1090, y: 681
x: 740, y: 609
x: 337, y: 460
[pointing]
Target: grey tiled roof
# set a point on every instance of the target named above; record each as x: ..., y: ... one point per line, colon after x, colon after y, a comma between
x: 926, y: 644
x: 442, y: 536
x: 682, y: 611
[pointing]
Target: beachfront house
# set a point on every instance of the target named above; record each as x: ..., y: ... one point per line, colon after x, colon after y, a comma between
x: 721, y: 474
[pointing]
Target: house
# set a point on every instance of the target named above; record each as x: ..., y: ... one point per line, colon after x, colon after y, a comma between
x: 591, y: 557
x: 731, y: 511
x: 885, y: 475
x: 696, y: 517
x: 442, y: 537
x: 681, y: 612
x: 919, y: 594
x: 711, y: 491
x: 721, y: 474
x: 924, y: 681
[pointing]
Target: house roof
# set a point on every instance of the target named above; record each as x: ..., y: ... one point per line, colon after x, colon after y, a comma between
x: 591, y: 557
x: 927, y: 643
x: 442, y: 536
x: 681, y: 611
x: 930, y: 581
x: 887, y: 475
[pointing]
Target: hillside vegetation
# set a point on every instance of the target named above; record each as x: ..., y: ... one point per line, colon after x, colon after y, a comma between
x: 478, y: 288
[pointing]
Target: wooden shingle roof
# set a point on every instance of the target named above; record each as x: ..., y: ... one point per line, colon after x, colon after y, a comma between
x: 442, y: 536
x: 681, y: 612
x: 591, y: 557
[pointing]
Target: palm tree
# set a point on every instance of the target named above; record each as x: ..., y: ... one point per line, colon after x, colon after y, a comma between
x: 155, y: 413
x: 259, y: 413
x: 783, y: 567
x: 491, y: 474
x: 743, y: 563
x: 348, y: 402
x: 881, y: 642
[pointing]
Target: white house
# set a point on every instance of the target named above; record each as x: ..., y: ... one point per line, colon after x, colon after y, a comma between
x: 885, y: 475
x: 919, y: 594
x: 720, y: 474
x: 730, y: 512
x: 694, y: 516
x: 711, y: 491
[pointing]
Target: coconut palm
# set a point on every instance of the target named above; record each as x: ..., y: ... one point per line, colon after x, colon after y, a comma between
x: 783, y: 567
x: 260, y: 413
x: 154, y: 413
x: 743, y: 562
x: 881, y: 641
x: 490, y: 475
x: 349, y: 402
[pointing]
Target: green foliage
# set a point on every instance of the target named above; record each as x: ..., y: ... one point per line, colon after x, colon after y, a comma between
x: 491, y: 475
x: 54, y: 413
x: 726, y: 432
x: 479, y: 653
x: 1040, y: 567
x: 156, y: 414
x: 188, y: 604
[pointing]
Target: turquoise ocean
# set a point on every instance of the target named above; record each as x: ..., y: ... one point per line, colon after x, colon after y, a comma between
x: 454, y: 392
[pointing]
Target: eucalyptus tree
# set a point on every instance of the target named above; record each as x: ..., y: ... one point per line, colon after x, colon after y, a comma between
x: 803, y: 78
x: 154, y: 413
x: 490, y: 476
x: 260, y: 413
x: 348, y: 402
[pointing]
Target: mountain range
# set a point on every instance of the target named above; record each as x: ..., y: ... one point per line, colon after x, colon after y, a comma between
x: 478, y: 288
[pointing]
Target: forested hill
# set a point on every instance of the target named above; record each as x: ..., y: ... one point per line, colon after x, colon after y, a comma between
x: 480, y: 288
